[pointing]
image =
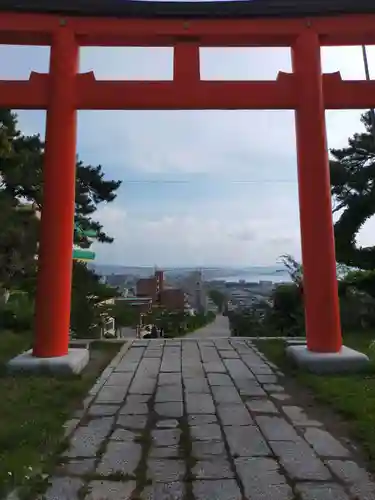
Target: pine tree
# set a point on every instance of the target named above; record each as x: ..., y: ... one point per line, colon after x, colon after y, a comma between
x: 88, y: 295
x: 21, y: 168
x: 18, y: 241
x: 353, y: 191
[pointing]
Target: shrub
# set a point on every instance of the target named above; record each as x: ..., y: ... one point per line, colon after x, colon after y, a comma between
x: 287, y: 312
x: 17, y: 314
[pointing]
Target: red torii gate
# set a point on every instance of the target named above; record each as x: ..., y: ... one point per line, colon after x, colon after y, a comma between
x: 63, y: 91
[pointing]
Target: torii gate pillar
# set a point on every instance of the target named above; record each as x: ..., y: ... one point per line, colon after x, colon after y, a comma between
x: 56, y: 232
x: 322, y: 316
x: 53, y: 300
x: 325, y: 351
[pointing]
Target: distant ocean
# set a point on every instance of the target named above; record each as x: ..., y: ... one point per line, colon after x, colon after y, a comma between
x: 276, y: 274
x: 257, y: 275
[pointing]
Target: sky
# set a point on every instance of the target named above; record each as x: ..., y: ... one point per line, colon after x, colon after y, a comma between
x: 200, y: 188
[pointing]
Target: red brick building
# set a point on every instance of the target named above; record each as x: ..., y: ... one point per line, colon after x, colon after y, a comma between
x: 151, y: 287
x: 146, y: 287
x: 173, y: 299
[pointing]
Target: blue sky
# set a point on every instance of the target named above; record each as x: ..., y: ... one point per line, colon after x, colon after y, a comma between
x: 199, y: 188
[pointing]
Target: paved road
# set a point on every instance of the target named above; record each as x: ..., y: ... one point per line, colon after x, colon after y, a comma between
x: 218, y: 328
x: 128, y: 333
x: 206, y: 419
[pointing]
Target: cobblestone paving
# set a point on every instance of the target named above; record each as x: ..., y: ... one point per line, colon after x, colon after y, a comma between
x: 203, y: 420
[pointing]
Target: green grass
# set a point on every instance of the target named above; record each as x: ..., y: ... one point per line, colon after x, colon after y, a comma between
x: 353, y: 396
x: 34, y: 409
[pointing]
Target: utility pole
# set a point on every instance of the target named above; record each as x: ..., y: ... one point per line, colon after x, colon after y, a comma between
x: 367, y: 73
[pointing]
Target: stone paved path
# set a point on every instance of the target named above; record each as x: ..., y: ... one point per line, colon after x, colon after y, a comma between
x: 219, y: 328
x: 203, y: 420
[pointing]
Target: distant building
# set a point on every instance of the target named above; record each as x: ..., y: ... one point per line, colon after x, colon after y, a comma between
x: 266, y: 286
x: 194, y: 286
x: 146, y: 287
x: 159, y: 281
x: 155, y: 289
x: 151, y: 287
x: 173, y: 299
x: 142, y: 304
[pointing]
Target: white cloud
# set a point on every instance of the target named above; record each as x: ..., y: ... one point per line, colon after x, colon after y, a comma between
x: 206, y: 240
x: 252, y: 225
x: 226, y: 237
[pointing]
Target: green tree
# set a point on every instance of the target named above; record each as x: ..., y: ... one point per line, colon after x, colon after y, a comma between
x: 18, y: 242
x: 88, y: 297
x: 294, y: 269
x: 357, y: 304
x: 124, y: 315
x: 353, y: 191
x: 287, y: 313
x: 21, y: 168
x: 218, y: 298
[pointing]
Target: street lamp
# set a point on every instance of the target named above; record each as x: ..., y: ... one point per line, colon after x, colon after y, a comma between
x: 367, y: 73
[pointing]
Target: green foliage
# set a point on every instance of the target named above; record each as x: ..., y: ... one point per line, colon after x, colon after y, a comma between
x: 364, y: 281
x: 123, y: 314
x: 294, y: 269
x: 287, y: 314
x: 21, y: 173
x: 352, y: 395
x: 176, y: 323
x: 18, y: 242
x: 199, y: 320
x: 283, y: 314
x: 218, y: 298
x: 21, y: 168
x: 246, y: 323
x: 33, y: 415
x: 356, y: 294
x: 17, y: 314
x: 88, y: 295
x: 353, y: 190
x: 357, y: 300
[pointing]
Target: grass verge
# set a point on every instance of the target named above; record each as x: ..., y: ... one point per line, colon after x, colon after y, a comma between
x: 34, y: 409
x: 351, y: 395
